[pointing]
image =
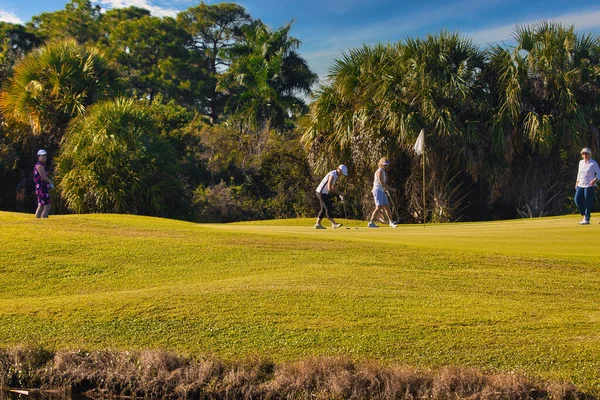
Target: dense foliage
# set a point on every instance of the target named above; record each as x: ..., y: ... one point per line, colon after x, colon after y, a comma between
x: 225, y: 97
x: 112, y: 159
x: 503, y: 126
x: 134, y: 111
x: 55, y: 83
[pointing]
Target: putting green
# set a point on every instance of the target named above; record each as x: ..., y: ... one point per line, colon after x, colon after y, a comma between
x: 512, y: 296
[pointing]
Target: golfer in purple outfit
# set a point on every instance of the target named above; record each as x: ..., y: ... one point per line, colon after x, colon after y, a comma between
x: 43, y: 184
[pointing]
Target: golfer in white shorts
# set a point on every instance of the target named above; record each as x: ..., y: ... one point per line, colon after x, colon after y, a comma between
x: 381, y: 201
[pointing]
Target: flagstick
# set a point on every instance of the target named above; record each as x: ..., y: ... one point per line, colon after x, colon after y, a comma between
x: 420, y: 150
x: 424, y: 208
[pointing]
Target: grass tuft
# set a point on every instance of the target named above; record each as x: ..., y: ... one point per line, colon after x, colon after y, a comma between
x: 160, y: 374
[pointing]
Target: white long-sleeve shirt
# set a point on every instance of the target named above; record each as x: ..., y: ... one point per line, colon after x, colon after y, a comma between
x: 588, y: 171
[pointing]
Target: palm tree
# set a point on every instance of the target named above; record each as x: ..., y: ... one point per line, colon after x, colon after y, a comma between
x: 380, y: 98
x: 267, y: 78
x: 436, y: 87
x: 547, y: 92
x: 55, y: 83
x: 113, y: 160
x: 345, y: 122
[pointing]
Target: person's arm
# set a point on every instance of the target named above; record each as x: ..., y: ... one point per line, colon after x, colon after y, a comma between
x: 597, y: 170
x: 331, y: 188
x: 381, y: 180
x: 42, y: 171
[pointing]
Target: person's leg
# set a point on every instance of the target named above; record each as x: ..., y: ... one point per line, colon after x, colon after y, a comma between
x: 322, y: 210
x: 580, y: 200
x: 388, y: 212
x: 46, y: 211
x: 329, y: 210
x: 589, y: 202
x: 377, y: 198
x: 375, y: 212
x: 39, y: 211
x: 385, y: 207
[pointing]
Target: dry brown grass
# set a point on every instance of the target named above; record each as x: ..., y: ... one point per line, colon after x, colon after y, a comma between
x: 161, y: 374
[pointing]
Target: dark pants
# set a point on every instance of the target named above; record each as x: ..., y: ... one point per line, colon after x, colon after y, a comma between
x: 584, y: 199
x: 326, y: 209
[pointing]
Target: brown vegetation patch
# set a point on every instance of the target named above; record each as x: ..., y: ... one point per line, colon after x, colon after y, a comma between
x: 162, y: 374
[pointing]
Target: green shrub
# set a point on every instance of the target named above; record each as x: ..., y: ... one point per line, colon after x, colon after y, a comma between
x: 113, y: 160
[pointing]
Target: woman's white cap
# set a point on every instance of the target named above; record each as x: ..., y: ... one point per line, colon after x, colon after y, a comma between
x: 586, y: 150
x: 344, y: 169
x: 42, y: 152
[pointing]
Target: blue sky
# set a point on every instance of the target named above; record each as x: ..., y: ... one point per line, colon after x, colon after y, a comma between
x: 328, y: 27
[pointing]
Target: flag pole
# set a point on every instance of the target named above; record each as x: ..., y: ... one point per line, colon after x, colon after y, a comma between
x: 420, y: 150
x: 424, y: 208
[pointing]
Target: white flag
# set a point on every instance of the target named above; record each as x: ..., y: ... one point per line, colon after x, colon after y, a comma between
x: 420, y: 143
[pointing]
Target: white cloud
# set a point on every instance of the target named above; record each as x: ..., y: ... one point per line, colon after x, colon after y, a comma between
x: 330, y: 48
x: 321, y: 62
x: 493, y: 35
x: 583, y: 21
x: 154, y: 10
x: 394, y: 28
x: 390, y: 30
x: 7, y: 16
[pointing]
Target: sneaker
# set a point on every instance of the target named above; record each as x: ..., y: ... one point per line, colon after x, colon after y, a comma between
x: 372, y: 225
x: 393, y: 224
x: 335, y: 226
x: 584, y: 223
x: 319, y: 226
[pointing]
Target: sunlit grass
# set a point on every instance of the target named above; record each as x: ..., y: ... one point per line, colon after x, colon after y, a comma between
x: 517, y: 296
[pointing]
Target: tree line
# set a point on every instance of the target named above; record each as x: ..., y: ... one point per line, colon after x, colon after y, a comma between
x: 504, y: 125
x: 190, y: 117
x: 203, y: 117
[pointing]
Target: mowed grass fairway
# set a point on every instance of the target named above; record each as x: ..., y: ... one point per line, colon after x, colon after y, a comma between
x: 519, y: 296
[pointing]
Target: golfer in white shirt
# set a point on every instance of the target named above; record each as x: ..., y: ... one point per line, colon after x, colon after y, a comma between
x: 324, y: 191
x: 587, y: 176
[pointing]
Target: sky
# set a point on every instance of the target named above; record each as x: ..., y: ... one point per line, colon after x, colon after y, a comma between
x: 329, y: 27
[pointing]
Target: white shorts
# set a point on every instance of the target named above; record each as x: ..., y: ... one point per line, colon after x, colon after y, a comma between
x: 380, y: 198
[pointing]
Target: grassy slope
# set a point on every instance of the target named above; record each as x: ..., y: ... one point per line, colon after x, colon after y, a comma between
x: 515, y: 296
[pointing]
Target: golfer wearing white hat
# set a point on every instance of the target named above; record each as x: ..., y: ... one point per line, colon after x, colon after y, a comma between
x: 587, y: 176
x: 324, y: 190
x: 42, y: 185
x: 379, y: 187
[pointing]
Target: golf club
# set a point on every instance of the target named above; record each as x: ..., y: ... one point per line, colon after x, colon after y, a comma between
x: 393, y: 206
x: 345, y: 215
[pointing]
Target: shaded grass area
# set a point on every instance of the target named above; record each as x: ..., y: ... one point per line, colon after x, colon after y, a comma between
x: 509, y: 297
x: 160, y: 374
